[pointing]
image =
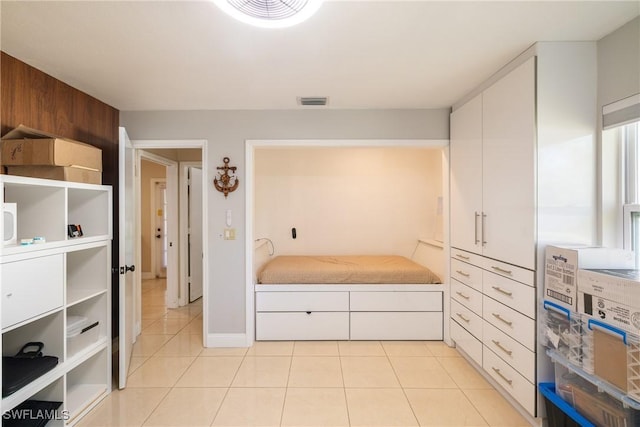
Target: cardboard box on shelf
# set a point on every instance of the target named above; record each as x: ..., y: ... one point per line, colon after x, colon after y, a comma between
x: 59, y: 173
x: 561, y: 269
x: 24, y: 146
x: 611, y: 296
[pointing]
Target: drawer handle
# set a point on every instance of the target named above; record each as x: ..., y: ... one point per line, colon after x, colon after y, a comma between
x: 497, y: 371
x: 502, y: 270
x: 502, y: 291
x: 497, y: 343
x: 462, y: 256
x: 462, y: 295
x: 463, y: 318
x: 463, y: 273
x: 308, y: 312
x: 10, y: 294
x: 506, y: 322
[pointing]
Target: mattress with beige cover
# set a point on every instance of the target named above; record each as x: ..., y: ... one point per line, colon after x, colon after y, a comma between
x: 368, y: 269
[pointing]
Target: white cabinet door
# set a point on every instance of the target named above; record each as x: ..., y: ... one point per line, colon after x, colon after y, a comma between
x: 466, y: 175
x: 508, y: 197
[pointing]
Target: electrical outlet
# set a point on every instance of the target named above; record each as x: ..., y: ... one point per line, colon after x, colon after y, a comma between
x: 229, y: 234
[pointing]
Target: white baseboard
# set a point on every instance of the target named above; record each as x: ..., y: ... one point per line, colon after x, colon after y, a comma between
x: 227, y: 340
x: 146, y: 275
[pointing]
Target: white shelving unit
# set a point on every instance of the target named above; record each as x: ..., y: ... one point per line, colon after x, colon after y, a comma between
x: 43, y: 285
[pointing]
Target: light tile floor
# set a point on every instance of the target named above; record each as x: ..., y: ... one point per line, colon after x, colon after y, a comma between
x: 174, y: 381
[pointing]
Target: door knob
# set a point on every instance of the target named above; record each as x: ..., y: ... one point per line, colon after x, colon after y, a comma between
x: 127, y: 268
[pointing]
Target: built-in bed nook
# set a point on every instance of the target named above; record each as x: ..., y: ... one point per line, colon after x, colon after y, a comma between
x: 348, y: 243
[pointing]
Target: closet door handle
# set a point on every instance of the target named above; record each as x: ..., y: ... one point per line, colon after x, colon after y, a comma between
x: 502, y: 270
x: 502, y: 291
x: 475, y: 225
x: 497, y: 344
x: 462, y: 295
x: 463, y: 273
x: 462, y: 256
x: 500, y: 318
x: 501, y: 375
x: 484, y: 225
x: 463, y: 318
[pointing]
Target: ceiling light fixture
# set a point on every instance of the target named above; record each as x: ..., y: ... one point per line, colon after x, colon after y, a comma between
x: 270, y: 13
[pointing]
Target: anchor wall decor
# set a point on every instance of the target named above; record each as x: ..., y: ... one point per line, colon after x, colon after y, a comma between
x: 226, y: 181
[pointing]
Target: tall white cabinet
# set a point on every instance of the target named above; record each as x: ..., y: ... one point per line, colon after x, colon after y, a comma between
x: 45, y: 287
x: 522, y: 162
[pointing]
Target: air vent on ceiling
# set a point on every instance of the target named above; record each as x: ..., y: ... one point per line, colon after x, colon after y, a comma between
x: 313, y: 100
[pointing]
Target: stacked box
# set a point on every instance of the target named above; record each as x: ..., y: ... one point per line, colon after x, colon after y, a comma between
x: 561, y: 269
x: 33, y: 153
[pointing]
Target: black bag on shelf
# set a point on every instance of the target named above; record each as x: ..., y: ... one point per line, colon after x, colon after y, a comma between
x: 24, y: 367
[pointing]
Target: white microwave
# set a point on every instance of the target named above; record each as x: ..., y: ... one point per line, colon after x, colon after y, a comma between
x: 10, y: 224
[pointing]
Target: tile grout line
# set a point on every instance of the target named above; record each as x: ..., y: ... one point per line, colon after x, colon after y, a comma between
x: 401, y: 386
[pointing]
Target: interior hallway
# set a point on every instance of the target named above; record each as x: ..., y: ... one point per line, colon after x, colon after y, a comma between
x: 174, y: 381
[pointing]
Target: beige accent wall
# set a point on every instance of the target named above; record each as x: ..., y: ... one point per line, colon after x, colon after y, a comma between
x: 347, y: 201
x: 149, y: 171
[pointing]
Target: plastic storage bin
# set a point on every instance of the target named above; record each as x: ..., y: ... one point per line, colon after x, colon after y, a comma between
x: 81, y: 333
x: 559, y: 412
x: 561, y: 330
x: 613, y: 355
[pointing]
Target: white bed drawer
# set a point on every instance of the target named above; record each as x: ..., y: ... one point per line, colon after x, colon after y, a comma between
x: 507, y: 270
x: 467, y: 274
x: 466, y: 342
x: 515, y: 384
x: 302, y: 301
x: 512, y: 323
x: 467, y: 296
x: 302, y: 326
x: 509, y: 292
x: 396, y: 301
x: 31, y: 287
x: 515, y: 354
x: 467, y: 319
x: 396, y: 326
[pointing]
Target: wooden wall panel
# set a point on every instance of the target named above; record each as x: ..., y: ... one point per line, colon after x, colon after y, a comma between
x: 37, y: 100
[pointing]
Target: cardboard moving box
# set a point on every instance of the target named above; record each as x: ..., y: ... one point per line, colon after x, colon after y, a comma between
x: 561, y: 269
x: 24, y: 146
x: 59, y: 173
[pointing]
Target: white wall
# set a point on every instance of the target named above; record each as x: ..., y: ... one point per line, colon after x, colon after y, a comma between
x: 226, y: 133
x: 346, y: 201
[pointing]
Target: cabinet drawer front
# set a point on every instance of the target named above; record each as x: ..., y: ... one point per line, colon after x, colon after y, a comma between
x: 515, y: 354
x: 513, y: 294
x: 396, y: 301
x: 515, y: 384
x: 467, y: 319
x: 31, y: 287
x: 519, y: 274
x: 516, y: 325
x: 467, y: 296
x: 466, y: 342
x: 302, y: 326
x: 302, y: 301
x: 467, y: 257
x: 466, y: 273
x: 396, y: 326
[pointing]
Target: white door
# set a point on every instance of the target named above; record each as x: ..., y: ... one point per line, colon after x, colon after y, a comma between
x: 160, y: 229
x: 509, y: 132
x: 195, y: 234
x: 127, y: 257
x: 466, y: 176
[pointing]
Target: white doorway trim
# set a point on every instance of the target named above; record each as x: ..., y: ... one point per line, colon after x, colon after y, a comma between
x: 200, y: 144
x: 250, y: 147
x: 184, y: 209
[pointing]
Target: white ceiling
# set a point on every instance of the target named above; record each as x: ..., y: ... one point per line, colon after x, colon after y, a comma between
x: 188, y: 55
